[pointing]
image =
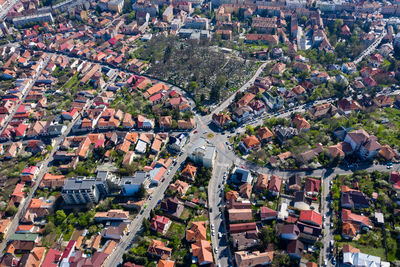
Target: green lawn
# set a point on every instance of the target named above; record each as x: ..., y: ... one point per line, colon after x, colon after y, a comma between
x: 380, y: 251
x: 176, y: 229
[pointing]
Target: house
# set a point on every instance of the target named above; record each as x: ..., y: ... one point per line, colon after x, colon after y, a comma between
x: 362, y: 143
x: 295, y: 183
x: 240, y: 175
x: 111, y: 215
x: 189, y: 172
x: 4, y: 226
x: 387, y: 153
x: 172, y: 206
x: 144, y: 123
x: 264, y: 134
x: 28, y: 175
x: 301, y: 201
x: 258, y: 107
x: 36, y: 256
x: 249, y: 143
x: 245, y: 190
x: 267, y: 214
x: 52, y: 258
x: 312, y: 186
x: 242, y: 227
x: 221, y: 120
x: 186, y: 124
x: 349, y: 230
x: 197, y: 231
x: 160, y: 224
x: 311, y: 217
x: 354, y: 199
x: 274, y: 186
x: 242, y: 114
x: 157, y: 248
x: 353, y: 257
x: 238, y: 215
x: 322, y: 111
x: 115, y: 232
x: 278, y: 68
x: 347, y: 106
x: 255, y: 258
x: 301, y: 123
x: 285, y: 133
x: 262, y: 183
x: 245, y: 100
x: 295, y: 249
x: 289, y: 231
x: 52, y: 181
x: 349, y: 67
x: 362, y: 221
x: 383, y: 101
x: 301, y: 67
x: 273, y: 102
x: 179, y: 187
x: 202, y: 252
x: 245, y: 240
x: 165, y: 122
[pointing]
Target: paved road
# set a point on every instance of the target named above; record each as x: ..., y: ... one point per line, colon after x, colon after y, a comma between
x: 19, y: 103
x: 249, y: 83
x: 45, y: 167
x: 370, y: 48
x: 6, y: 7
x: 115, y: 257
x: 216, y: 202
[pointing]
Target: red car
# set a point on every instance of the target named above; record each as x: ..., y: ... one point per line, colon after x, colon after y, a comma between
x: 195, y: 131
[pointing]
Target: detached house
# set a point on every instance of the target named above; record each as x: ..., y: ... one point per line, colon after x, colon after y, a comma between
x: 354, y: 199
x: 362, y: 143
x: 274, y: 186
x: 249, y: 143
x: 264, y: 134
x: 221, y: 120
x: 157, y: 248
x: 160, y: 224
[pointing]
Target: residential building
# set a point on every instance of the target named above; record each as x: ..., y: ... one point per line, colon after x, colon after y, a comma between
x: 203, y: 153
x: 255, y: 258
x: 81, y: 191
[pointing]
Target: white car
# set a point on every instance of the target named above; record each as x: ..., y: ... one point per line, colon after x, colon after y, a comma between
x: 219, y: 234
x: 216, y: 250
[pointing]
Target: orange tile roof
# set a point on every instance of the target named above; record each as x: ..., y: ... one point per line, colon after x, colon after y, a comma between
x: 110, y: 247
x: 4, y: 224
x: 189, y: 171
x: 202, y: 250
x: 36, y: 256
x: 251, y: 141
x: 198, y: 231
x: 166, y: 263
x: 79, y: 242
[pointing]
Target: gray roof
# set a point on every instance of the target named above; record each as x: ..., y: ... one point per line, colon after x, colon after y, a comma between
x: 139, y: 178
x: 79, y: 184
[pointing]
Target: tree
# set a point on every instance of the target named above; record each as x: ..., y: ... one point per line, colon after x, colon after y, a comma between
x: 11, y: 211
x: 141, y: 193
x: 303, y: 20
x: 49, y: 228
x: 60, y: 217
x: 193, y: 86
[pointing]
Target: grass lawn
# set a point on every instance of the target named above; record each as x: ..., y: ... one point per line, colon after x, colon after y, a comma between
x: 200, y: 218
x: 371, y: 250
x: 176, y: 229
x: 185, y: 214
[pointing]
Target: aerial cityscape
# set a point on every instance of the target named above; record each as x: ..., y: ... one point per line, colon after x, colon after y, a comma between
x: 226, y: 133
